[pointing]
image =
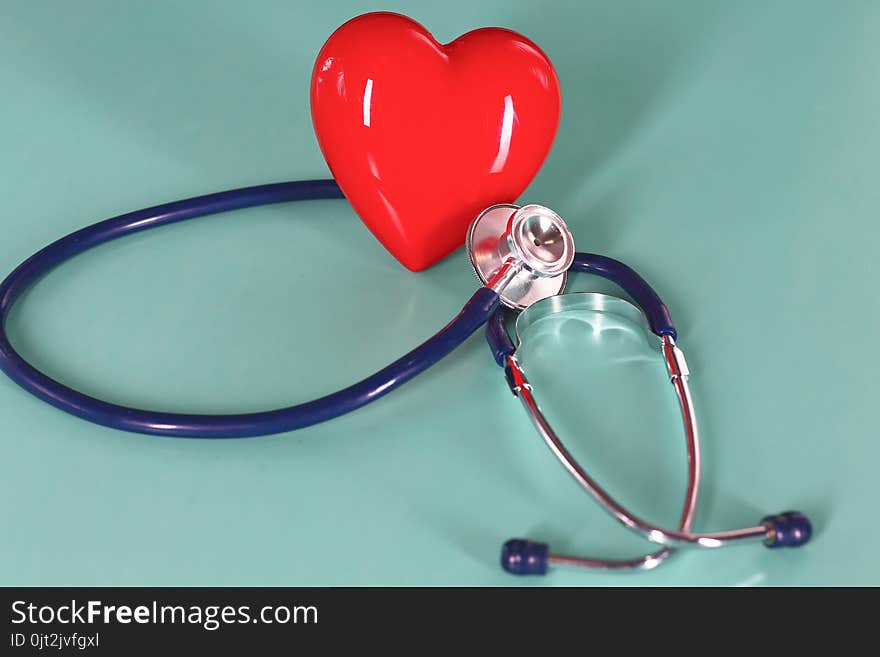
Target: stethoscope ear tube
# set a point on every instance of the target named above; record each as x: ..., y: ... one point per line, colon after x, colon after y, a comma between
x: 524, y: 557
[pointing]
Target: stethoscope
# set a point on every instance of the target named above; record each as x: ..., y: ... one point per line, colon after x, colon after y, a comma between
x: 521, y: 255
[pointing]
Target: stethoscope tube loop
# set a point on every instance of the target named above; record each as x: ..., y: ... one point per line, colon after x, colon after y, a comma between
x: 472, y: 316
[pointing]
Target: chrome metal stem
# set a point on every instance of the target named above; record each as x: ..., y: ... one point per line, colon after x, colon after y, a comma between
x: 505, y: 274
x: 676, y: 365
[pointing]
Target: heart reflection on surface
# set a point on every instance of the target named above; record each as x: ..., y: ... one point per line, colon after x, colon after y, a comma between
x: 600, y: 380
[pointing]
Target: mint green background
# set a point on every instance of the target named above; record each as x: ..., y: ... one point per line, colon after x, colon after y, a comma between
x: 729, y: 151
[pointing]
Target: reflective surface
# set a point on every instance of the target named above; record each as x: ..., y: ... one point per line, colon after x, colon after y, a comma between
x: 600, y: 380
x: 721, y: 149
x: 604, y: 309
x: 596, y: 310
x: 423, y: 136
x: 597, y: 313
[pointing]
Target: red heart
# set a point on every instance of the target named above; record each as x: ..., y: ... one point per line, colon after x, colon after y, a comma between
x: 422, y: 137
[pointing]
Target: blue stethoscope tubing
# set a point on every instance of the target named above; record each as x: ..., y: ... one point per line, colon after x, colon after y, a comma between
x: 481, y: 306
x: 519, y: 556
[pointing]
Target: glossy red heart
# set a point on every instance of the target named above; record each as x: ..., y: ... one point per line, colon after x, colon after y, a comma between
x: 422, y: 137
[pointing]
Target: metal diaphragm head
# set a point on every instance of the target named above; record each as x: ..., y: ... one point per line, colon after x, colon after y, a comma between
x: 533, y: 236
x: 541, y: 239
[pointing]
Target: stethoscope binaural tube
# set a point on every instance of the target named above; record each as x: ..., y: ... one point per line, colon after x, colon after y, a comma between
x: 523, y: 557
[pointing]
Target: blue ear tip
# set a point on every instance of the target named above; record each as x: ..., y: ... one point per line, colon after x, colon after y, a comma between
x: 790, y: 529
x: 521, y: 557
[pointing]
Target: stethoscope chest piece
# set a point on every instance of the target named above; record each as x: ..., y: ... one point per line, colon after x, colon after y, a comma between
x: 533, y: 237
